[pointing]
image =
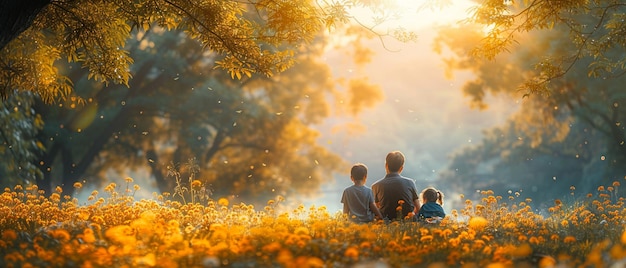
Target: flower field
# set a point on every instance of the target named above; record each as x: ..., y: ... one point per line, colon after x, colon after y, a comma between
x: 112, y: 229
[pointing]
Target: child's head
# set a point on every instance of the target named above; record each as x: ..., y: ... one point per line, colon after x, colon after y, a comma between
x: 431, y: 194
x: 358, y: 173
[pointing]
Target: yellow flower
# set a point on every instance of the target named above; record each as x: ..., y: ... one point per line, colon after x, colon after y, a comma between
x: 83, y: 215
x: 569, y: 239
x: 60, y: 234
x: 314, y: 262
x: 284, y: 257
x: 121, y: 234
x: 534, y: 240
x: 352, y: 252
x: 547, y: 261
x: 522, y: 251
x: 410, y: 215
x: 522, y: 238
x: 454, y: 242
x: 301, y: 231
x: 477, y: 223
x: 196, y: 183
x: 487, y: 250
x: 426, y: 238
x: 128, y: 179
x: 88, y: 236
x: 271, y: 247
x: 222, y: 202
x: 173, y: 224
x: 148, y: 260
x: 9, y: 235
x: 78, y: 185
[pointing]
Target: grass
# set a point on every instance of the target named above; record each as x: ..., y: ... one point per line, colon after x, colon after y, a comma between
x: 114, y: 230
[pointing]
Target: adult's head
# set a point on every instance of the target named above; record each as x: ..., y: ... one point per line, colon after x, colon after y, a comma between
x: 358, y: 172
x: 394, y: 162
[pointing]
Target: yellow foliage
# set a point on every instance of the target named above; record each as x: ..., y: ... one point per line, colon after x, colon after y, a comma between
x: 146, y: 234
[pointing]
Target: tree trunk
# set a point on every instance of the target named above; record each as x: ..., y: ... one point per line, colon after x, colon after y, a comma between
x: 16, y: 16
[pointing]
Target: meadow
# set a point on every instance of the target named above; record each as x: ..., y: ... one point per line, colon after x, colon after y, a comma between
x: 112, y: 229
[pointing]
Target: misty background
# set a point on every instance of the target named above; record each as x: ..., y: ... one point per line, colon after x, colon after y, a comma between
x: 423, y: 114
x: 298, y: 133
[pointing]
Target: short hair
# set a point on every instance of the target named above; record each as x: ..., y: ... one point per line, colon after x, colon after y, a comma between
x: 358, y: 171
x: 395, y: 161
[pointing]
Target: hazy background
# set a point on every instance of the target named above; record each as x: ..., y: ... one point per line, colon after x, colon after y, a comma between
x: 423, y: 114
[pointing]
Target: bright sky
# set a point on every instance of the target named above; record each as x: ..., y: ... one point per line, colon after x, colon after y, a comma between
x: 419, y: 14
x: 433, y: 16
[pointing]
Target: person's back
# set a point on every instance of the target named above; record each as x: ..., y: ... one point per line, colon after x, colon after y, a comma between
x: 358, y: 199
x: 395, y: 195
x: 431, y: 210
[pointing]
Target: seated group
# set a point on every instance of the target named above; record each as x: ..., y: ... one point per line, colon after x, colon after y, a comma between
x: 394, y: 197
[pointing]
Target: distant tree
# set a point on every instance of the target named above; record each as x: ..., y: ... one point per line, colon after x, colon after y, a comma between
x: 19, y: 148
x: 253, y: 36
x: 593, y: 30
x: 568, y: 104
x: 505, y: 162
x: 179, y: 116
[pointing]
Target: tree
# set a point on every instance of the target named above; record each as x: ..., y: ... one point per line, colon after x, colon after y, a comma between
x: 253, y: 36
x: 178, y: 116
x: 594, y: 30
x: 19, y: 148
x: 17, y: 16
x: 566, y: 100
x: 248, y: 39
x: 505, y: 162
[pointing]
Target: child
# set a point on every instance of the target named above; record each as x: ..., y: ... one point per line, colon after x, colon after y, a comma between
x: 358, y: 199
x: 431, y: 210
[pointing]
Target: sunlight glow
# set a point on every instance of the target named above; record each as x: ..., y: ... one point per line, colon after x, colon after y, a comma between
x: 418, y: 14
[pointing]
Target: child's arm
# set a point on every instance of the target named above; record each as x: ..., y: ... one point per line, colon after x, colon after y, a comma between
x: 417, y: 205
x: 346, y: 210
x: 376, y: 211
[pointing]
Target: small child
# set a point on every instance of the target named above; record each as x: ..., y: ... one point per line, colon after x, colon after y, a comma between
x: 431, y: 210
x: 358, y: 199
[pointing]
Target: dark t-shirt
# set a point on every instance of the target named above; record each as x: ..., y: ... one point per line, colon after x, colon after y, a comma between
x: 358, y: 199
x: 391, y: 189
x: 431, y: 209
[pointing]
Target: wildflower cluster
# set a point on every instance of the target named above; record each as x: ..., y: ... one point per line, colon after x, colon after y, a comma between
x: 118, y: 231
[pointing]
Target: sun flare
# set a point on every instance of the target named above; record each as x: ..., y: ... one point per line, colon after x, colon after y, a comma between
x: 417, y: 14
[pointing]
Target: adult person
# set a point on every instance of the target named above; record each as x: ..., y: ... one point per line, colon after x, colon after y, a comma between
x: 394, y: 194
